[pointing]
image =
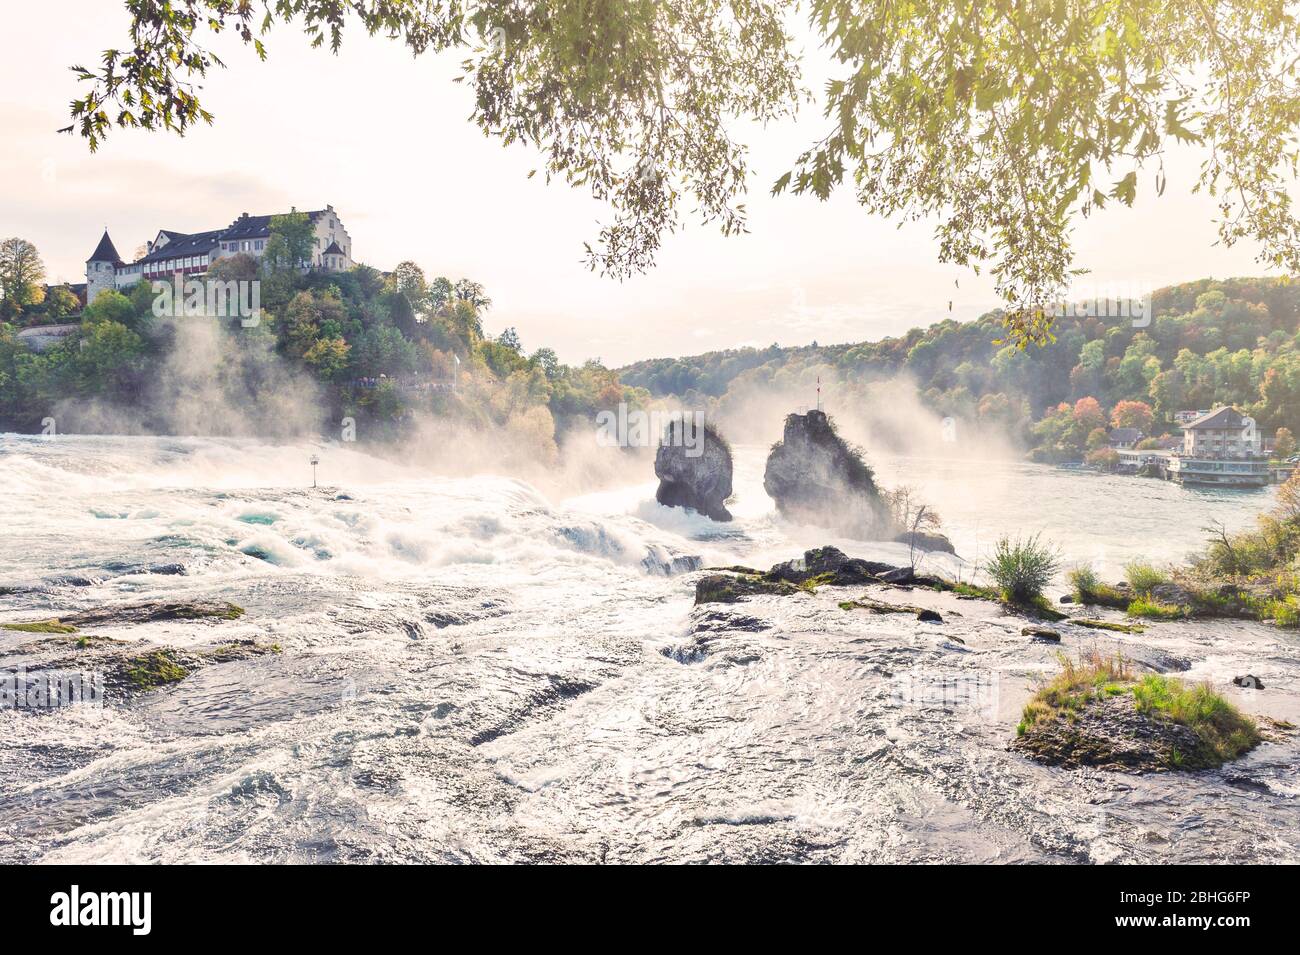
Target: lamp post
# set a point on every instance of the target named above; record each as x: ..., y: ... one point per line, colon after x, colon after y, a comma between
x: 314, y: 461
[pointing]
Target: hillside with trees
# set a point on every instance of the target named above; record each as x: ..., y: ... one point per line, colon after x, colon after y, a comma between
x: 1210, y: 342
x: 385, y: 349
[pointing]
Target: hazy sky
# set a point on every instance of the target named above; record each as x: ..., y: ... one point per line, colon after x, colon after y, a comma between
x: 385, y: 139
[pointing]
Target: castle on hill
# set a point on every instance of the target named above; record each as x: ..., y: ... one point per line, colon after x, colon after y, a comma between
x: 191, y: 254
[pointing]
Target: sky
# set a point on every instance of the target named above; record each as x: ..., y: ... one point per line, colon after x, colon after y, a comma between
x: 386, y: 139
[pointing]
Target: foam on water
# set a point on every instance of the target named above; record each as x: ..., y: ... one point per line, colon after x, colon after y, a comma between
x: 474, y: 671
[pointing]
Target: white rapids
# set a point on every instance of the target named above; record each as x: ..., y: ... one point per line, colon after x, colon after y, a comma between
x: 471, y: 671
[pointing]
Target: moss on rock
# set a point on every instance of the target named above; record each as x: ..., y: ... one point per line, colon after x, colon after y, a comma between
x: 40, y: 626
x: 728, y: 588
x: 155, y: 669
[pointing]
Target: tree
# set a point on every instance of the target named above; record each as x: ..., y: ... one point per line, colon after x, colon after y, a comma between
x: 61, y: 301
x: 384, y: 350
x: 548, y: 361
x: 441, y: 292
x: 296, y: 230
x: 277, y: 258
x: 1132, y: 414
x: 408, y: 278
x: 1105, y: 459
x: 108, y: 359
x: 1006, y: 120
x: 329, y: 356
x: 1287, y: 504
x: 466, y: 322
x: 1088, y: 414
x: 310, y: 315
x: 21, y: 274
x: 473, y: 293
x: 239, y: 267
x: 110, y: 306
x: 510, y: 339
x: 1284, y: 443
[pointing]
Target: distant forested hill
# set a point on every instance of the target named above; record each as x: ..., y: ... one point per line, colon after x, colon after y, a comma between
x: 1210, y: 342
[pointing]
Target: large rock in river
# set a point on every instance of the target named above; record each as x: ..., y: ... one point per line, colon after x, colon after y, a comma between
x: 815, y: 477
x: 693, y: 465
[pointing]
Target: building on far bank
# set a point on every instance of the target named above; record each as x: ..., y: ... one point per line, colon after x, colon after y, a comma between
x: 192, y: 253
x: 1224, y: 432
x: 1122, y: 438
x: 1220, y: 447
x: 1152, y: 460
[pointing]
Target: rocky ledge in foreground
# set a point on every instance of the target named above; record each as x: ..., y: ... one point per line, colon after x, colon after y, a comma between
x: 128, y: 614
x: 823, y: 565
x: 1096, y: 713
x: 104, y: 668
x: 114, y: 671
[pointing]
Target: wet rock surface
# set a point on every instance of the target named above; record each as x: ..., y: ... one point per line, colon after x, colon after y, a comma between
x: 150, y: 612
x: 112, y: 669
x: 728, y: 588
x: 1110, y: 734
x: 695, y: 474
x: 822, y: 561
x: 115, y: 671
x: 926, y: 541
x: 815, y: 477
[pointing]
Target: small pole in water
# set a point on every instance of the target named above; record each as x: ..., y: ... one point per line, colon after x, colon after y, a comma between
x: 314, y: 461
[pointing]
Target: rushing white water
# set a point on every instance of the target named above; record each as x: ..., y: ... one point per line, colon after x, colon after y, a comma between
x: 471, y: 671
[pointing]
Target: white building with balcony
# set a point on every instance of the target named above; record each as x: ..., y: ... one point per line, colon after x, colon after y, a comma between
x: 1220, y: 447
x: 1224, y: 432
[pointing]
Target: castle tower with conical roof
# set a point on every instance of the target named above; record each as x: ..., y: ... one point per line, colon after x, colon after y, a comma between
x: 101, y: 268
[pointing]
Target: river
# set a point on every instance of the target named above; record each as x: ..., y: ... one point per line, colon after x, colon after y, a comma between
x: 472, y: 671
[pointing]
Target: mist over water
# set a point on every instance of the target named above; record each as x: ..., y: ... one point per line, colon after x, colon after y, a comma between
x: 479, y: 667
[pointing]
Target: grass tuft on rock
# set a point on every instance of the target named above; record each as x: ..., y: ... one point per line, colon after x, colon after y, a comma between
x: 1038, y: 606
x: 1021, y: 568
x: 1087, y: 588
x: 1144, y: 577
x: 1224, y: 731
x: 1153, y: 609
x: 1078, y: 684
x: 1283, y: 611
x: 1219, y: 732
